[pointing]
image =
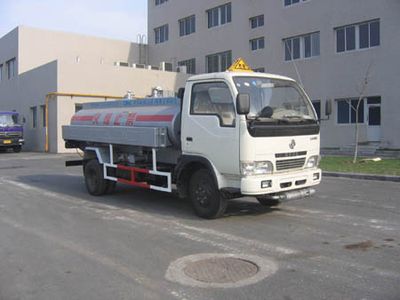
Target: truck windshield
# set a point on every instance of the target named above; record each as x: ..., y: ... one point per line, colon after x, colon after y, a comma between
x: 8, y: 120
x: 275, y: 101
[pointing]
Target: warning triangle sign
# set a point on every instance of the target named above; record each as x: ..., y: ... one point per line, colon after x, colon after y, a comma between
x: 240, y: 66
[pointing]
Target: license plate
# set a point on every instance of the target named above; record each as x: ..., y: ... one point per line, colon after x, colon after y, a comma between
x: 7, y: 142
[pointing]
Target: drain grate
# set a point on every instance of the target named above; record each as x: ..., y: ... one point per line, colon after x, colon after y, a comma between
x: 221, y: 270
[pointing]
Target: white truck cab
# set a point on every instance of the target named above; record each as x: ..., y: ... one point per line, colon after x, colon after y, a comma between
x: 240, y: 133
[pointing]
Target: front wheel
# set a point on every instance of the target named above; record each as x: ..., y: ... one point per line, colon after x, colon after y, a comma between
x: 17, y: 149
x: 96, y: 185
x: 207, y: 201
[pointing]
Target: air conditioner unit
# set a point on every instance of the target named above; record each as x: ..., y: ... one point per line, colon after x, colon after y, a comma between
x: 166, y: 66
x: 121, y: 64
x: 181, y: 69
x: 139, y: 66
x: 154, y: 68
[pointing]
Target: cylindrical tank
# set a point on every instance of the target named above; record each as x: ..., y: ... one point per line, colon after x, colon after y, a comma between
x: 148, y: 112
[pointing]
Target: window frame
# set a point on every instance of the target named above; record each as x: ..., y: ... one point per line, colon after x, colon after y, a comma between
x: 351, y: 113
x: 357, y: 36
x: 191, y: 22
x: 257, y: 21
x: 157, y: 34
x: 292, y: 3
x: 218, y: 12
x: 11, y: 68
x: 34, y: 119
x: 259, y: 43
x: 221, y: 124
x: 190, y: 65
x: 219, y: 55
x: 302, y: 46
x: 160, y: 2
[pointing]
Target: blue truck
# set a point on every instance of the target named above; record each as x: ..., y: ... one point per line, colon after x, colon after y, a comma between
x: 11, y: 131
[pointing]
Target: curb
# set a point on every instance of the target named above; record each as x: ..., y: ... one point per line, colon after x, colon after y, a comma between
x: 363, y: 176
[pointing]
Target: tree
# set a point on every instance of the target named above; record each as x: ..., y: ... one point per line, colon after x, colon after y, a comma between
x: 361, y: 94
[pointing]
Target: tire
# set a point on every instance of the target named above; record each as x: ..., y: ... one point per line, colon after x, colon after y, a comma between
x: 205, y: 197
x: 17, y: 149
x: 95, y: 183
x: 268, y: 202
x: 110, y: 186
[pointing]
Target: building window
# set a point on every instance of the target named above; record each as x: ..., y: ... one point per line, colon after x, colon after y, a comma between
x: 187, y: 26
x: 346, y: 111
x: 317, y: 107
x: 358, y: 36
x: 256, y: 44
x: 1, y: 73
x: 291, y: 2
x: 218, y: 62
x: 190, y: 65
x: 43, y: 112
x: 161, y: 34
x: 213, y: 99
x: 304, y: 46
x: 11, y: 68
x: 34, y: 116
x: 259, y: 70
x: 219, y: 15
x: 158, y: 2
x: 257, y: 21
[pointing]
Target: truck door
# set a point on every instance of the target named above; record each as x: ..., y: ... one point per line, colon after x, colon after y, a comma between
x: 209, y: 126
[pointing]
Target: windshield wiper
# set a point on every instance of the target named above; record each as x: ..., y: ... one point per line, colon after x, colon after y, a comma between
x: 300, y: 119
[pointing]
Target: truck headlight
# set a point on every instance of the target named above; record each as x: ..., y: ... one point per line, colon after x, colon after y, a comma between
x: 256, y: 168
x: 313, y: 162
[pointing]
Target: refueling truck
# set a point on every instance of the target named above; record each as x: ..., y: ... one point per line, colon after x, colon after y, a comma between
x: 226, y: 135
x: 11, y: 131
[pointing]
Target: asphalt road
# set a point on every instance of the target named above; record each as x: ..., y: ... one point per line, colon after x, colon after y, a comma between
x: 57, y: 242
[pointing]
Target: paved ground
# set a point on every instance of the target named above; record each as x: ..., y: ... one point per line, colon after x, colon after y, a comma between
x: 57, y: 242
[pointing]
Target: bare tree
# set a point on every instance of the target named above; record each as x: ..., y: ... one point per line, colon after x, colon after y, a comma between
x: 361, y: 94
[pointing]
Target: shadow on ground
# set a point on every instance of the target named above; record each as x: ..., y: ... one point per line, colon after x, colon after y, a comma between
x: 126, y: 197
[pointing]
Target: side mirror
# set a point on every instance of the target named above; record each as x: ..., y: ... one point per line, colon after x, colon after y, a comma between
x: 243, y: 104
x: 181, y: 93
x: 328, y: 107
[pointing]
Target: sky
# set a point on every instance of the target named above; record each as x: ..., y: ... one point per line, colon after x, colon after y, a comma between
x: 117, y: 19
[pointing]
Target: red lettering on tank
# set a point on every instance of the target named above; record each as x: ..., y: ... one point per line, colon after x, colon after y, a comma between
x: 131, y: 119
x: 96, y: 119
x: 117, y: 121
x: 82, y: 118
x: 155, y: 118
x: 107, y: 119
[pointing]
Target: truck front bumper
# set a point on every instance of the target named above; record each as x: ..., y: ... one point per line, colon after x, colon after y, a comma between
x: 279, y: 183
x: 11, y: 142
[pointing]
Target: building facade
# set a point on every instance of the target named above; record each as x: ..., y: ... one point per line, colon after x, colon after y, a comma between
x: 344, y: 51
x: 35, y: 62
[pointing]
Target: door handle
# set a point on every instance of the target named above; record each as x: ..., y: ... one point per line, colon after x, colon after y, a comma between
x: 189, y: 139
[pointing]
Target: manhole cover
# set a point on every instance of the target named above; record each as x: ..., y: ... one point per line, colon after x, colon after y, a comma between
x: 220, y: 270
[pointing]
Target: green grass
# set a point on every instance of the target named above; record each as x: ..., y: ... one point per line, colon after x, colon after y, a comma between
x: 345, y: 165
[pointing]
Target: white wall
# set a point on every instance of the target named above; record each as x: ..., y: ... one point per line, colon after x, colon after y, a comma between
x: 329, y: 76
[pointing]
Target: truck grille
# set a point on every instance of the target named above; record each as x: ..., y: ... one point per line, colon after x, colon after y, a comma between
x: 288, y: 164
x: 12, y: 134
x: 291, y: 154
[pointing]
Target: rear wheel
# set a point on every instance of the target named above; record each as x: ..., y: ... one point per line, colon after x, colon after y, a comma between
x: 267, y: 201
x: 96, y: 185
x: 207, y: 201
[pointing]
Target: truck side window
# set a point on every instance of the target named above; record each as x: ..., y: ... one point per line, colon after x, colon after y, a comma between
x: 213, y: 98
